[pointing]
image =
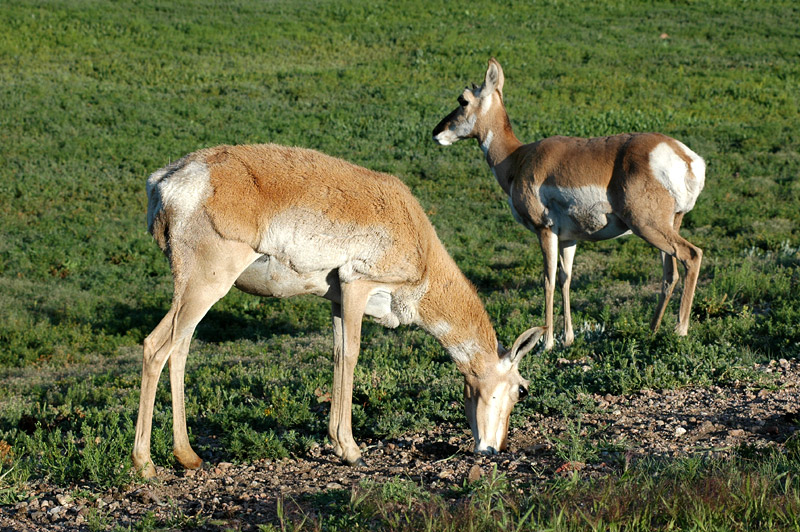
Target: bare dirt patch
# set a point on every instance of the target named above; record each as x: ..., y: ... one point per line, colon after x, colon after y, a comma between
x: 713, y: 422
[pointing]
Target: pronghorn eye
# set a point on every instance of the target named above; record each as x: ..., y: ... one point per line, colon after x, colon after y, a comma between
x: 523, y: 393
x: 462, y: 101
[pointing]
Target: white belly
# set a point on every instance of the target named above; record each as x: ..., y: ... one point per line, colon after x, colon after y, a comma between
x: 269, y: 277
x: 581, y: 213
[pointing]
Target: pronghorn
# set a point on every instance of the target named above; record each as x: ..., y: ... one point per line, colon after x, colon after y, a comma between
x: 278, y: 221
x: 567, y: 189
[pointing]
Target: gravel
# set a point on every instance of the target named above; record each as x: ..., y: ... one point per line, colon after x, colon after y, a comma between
x: 707, y: 421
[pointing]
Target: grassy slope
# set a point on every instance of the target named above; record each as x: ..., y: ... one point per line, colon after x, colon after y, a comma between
x: 93, y: 98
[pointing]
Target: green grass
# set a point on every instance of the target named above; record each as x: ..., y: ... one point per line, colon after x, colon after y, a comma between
x: 758, y: 492
x: 680, y: 496
x: 95, y: 96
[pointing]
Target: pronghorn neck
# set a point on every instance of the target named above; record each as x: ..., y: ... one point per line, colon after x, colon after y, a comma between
x: 499, y: 144
x: 453, y: 313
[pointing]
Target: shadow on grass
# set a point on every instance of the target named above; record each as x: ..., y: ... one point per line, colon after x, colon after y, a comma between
x: 216, y: 326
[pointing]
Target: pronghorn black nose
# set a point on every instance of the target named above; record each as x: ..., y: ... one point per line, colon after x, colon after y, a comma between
x: 441, y: 126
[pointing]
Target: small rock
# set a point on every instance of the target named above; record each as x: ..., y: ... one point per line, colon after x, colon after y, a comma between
x: 445, y: 474
x: 63, y: 499
x: 736, y: 433
x: 55, y: 510
x: 680, y: 431
x: 149, y: 497
x: 570, y: 466
x: 536, y: 448
x: 706, y: 427
x: 475, y: 473
x: 224, y: 465
x: 334, y: 486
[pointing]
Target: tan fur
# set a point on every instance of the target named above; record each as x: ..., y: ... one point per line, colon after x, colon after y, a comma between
x: 567, y: 189
x: 278, y: 221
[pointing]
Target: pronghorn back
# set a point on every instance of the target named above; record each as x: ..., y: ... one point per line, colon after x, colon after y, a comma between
x: 317, y: 210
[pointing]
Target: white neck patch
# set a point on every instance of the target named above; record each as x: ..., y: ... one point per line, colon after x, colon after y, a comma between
x: 440, y: 329
x: 464, y: 351
x: 487, y: 142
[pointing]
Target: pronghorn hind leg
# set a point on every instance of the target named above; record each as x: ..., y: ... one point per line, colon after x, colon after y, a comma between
x: 157, y: 348
x: 347, y: 334
x: 566, y: 254
x: 182, y: 449
x: 214, y: 266
x: 667, y: 239
x: 669, y: 279
x: 692, y: 265
x: 668, y: 283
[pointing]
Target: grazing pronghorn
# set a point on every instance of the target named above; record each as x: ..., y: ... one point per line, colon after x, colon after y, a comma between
x: 567, y: 189
x: 277, y: 221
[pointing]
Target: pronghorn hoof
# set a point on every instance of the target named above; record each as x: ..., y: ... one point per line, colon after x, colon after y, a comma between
x: 146, y: 472
x: 188, y: 459
x: 358, y: 462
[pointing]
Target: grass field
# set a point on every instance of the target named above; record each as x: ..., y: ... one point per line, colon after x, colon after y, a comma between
x: 95, y: 96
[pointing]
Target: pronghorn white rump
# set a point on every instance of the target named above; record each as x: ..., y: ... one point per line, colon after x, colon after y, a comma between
x: 278, y: 221
x: 567, y: 189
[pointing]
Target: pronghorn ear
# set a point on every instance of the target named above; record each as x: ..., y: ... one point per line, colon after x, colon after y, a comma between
x: 524, y: 343
x: 494, y: 77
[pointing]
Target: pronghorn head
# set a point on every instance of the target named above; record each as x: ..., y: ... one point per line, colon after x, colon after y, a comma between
x: 472, y: 117
x: 488, y: 399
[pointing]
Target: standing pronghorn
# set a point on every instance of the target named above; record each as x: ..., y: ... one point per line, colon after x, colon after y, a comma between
x: 568, y: 189
x: 278, y: 221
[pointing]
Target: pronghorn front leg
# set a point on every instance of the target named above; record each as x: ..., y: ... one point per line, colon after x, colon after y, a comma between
x: 336, y: 398
x: 347, y: 319
x: 549, y: 242
x: 566, y: 254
